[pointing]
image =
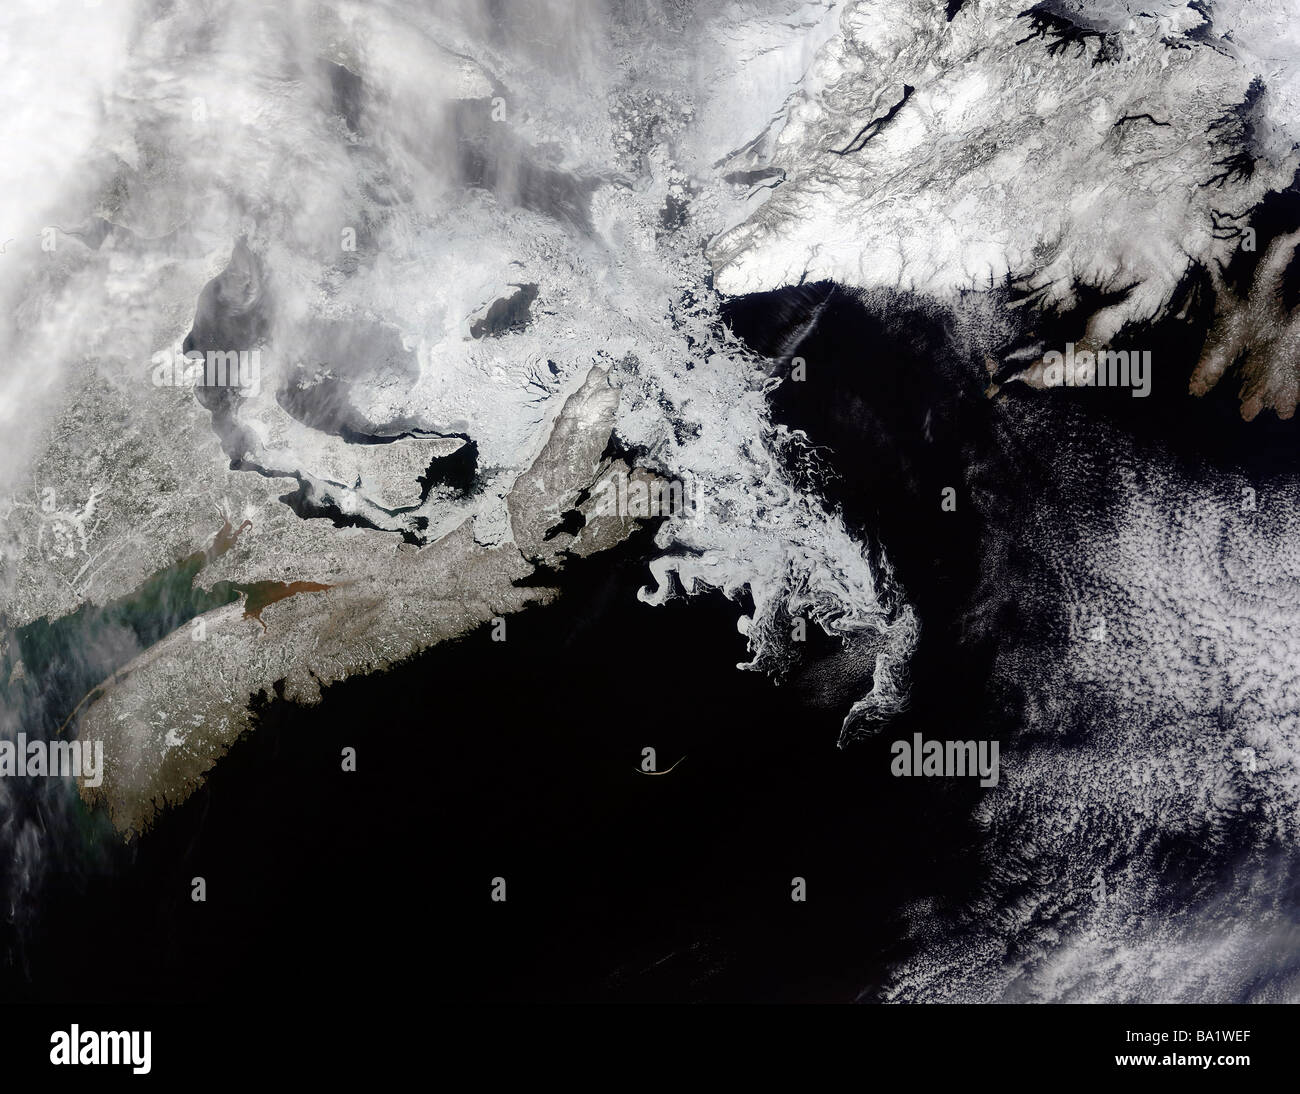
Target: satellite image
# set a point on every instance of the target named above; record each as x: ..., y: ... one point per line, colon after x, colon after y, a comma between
x: 650, y: 501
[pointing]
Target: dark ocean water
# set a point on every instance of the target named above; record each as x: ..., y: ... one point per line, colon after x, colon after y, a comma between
x: 519, y: 760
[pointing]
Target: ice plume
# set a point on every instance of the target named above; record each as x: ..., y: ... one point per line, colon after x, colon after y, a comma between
x: 796, y: 561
